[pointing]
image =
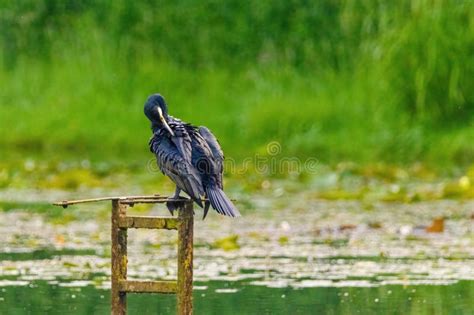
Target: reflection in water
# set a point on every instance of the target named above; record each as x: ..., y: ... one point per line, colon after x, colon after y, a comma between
x: 241, y: 298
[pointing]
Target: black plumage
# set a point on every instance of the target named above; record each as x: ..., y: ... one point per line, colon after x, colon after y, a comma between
x: 191, y: 156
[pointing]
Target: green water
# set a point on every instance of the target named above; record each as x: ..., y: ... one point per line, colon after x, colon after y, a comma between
x: 239, y: 298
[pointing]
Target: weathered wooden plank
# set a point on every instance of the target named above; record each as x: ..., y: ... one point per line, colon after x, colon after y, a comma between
x: 128, y: 200
x: 119, y: 259
x: 132, y: 286
x: 185, y: 259
x: 134, y: 201
x: 144, y: 222
x: 65, y: 203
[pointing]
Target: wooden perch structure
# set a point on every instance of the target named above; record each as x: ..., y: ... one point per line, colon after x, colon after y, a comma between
x: 123, y: 199
x: 121, y: 222
x: 129, y: 200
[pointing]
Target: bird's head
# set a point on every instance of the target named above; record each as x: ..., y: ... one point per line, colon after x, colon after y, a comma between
x: 157, y: 112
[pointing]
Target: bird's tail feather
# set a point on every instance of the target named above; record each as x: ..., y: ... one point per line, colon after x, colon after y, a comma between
x: 221, y: 203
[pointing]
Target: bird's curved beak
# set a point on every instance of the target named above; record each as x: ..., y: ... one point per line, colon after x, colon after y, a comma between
x: 160, y: 112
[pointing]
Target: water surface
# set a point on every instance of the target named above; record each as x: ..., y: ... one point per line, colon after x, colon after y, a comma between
x: 240, y: 298
x: 332, y: 257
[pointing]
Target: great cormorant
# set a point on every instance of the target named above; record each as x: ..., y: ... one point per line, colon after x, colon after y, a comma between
x: 191, y: 156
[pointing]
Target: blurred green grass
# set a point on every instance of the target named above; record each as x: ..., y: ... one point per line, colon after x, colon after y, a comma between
x: 365, y: 81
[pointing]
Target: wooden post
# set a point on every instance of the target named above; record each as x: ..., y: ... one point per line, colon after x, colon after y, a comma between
x: 185, y: 258
x: 121, y: 222
x: 119, y: 259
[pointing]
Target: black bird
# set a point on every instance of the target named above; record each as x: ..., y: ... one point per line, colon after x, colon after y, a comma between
x: 191, y: 156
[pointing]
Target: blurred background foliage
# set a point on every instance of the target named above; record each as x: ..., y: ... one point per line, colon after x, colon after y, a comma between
x: 365, y: 81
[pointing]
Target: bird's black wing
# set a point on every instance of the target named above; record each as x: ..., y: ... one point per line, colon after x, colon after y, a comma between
x: 217, y: 153
x: 173, y: 164
x: 181, y: 138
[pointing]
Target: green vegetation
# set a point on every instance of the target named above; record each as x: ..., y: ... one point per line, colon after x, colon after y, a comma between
x: 377, y: 95
x: 228, y: 243
x: 366, y: 81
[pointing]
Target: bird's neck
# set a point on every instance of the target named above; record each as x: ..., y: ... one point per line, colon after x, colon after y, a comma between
x: 156, y: 127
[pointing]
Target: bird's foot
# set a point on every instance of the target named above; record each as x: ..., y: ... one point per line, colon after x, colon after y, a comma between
x: 173, y: 204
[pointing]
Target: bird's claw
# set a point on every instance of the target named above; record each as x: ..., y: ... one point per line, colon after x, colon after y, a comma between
x: 171, y: 207
x: 171, y: 204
